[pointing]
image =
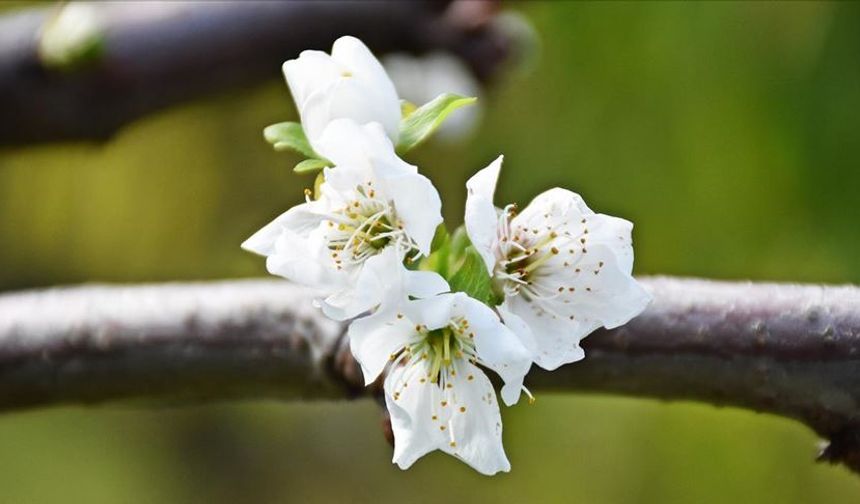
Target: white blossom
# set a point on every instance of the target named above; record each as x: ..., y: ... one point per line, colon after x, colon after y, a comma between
x: 564, y: 270
x: 369, y: 202
x: 350, y: 84
x: 436, y: 394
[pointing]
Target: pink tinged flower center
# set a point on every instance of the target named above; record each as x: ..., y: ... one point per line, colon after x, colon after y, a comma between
x: 363, y: 227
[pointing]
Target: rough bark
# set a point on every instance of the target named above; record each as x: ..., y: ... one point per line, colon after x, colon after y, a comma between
x: 790, y: 350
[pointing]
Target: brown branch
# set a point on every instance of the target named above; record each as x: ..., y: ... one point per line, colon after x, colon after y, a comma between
x: 158, y: 54
x: 791, y: 350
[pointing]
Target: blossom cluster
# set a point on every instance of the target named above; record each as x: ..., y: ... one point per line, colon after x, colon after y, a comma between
x: 435, y: 312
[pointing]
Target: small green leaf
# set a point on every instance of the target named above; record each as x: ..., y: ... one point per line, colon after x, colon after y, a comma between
x: 289, y: 136
x: 440, y: 238
x: 472, y: 278
x: 421, y: 123
x: 311, y: 165
x: 440, y: 247
x: 459, y: 242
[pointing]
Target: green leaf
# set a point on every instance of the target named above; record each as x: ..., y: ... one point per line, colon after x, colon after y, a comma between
x: 472, y: 278
x: 289, y: 136
x: 311, y: 165
x: 420, y: 124
x: 459, y: 242
x: 440, y: 247
x: 440, y: 238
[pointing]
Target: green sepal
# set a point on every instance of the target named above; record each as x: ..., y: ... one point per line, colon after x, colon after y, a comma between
x: 311, y: 165
x: 423, y: 121
x: 472, y: 278
x: 440, y: 249
x: 459, y: 242
x: 289, y: 136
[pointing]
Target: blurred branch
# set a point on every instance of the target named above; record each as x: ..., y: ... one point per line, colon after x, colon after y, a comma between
x: 790, y: 350
x: 159, y: 54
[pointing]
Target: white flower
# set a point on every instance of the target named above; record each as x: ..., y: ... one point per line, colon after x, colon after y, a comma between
x: 382, y: 286
x: 349, y: 84
x: 370, y: 201
x: 564, y: 270
x: 436, y: 395
x: 420, y: 79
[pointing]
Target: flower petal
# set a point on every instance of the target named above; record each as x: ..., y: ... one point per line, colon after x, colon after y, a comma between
x: 382, y: 96
x: 481, y: 217
x: 303, y: 260
x: 418, y: 205
x: 476, y: 422
x: 434, y: 312
x: 424, y: 284
x: 312, y: 71
x: 555, y: 339
x: 373, y: 342
x: 498, y: 348
x: 300, y: 219
x: 416, y: 433
x: 349, y: 84
x: 463, y: 421
x: 380, y: 278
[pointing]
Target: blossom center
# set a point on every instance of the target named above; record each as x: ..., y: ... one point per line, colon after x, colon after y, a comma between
x: 439, y: 349
x: 363, y: 227
x: 433, y: 359
x: 521, y: 253
x: 533, y: 257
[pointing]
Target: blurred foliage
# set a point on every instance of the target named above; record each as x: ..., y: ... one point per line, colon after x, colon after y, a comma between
x: 728, y: 132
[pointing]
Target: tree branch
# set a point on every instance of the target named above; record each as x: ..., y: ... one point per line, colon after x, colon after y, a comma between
x: 159, y: 54
x: 791, y: 350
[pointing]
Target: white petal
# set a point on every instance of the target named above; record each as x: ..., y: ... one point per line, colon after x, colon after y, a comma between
x: 555, y: 339
x: 415, y: 431
x: 373, y: 342
x: 363, y: 154
x: 435, y: 312
x: 382, y: 97
x: 518, y: 326
x: 586, y: 284
x: 300, y: 219
x: 303, y: 260
x: 380, y: 277
x: 565, y: 205
x: 418, y: 205
x: 467, y: 420
x: 481, y: 217
x: 349, y: 84
x: 312, y: 71
x: 498, y: 347
x: 360, y: 147
x: 478, y: 429
x: 615, y: 296
x: 425, y: 284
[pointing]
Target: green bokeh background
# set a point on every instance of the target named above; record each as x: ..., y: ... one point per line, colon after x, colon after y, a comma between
x: 728, y: 132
